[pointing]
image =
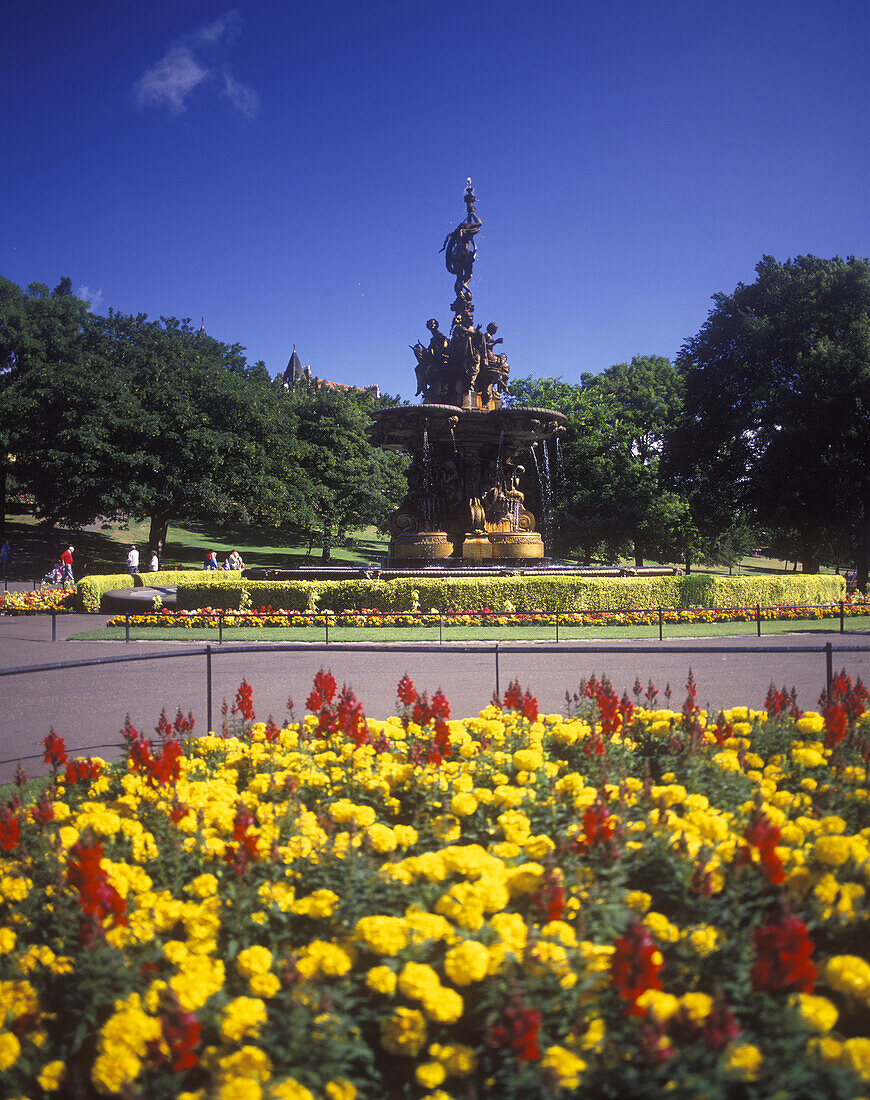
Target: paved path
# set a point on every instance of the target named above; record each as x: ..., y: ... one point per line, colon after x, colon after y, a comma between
x: 87, y: 705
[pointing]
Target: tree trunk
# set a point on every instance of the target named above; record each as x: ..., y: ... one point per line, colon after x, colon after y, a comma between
x: 2, y: 499
x: 638, y: 557
x: 688, y: 563
x: 326, y: 553
x: 157, y: 532
x: 863, y: 562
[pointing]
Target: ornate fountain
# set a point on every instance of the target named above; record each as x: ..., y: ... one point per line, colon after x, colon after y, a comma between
x: 464, y: 503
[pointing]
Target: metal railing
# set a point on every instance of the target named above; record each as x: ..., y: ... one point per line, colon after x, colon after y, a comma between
x: 496, y: 649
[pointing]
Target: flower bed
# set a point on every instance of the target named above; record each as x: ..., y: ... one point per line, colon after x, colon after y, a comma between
x: 372, y: 617
x: 37, y: 601
x: 626, y: 901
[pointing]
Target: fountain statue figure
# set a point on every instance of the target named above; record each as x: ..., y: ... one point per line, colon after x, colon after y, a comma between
x: 464, y: 500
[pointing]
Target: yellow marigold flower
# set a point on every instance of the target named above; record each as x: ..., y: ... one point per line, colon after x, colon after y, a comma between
x: 527, y: 760
x: 382, y: 838
x: 7, y: 941
x: 704, y: 939
x: 264, y: 985
x: 463, y: 804
x: 204, y: 886
x: 807, y: 758
x: 322, y: 903
x: 727, y: 761
x: 661, y: 927
x: 593, y: 1037
x: 832, y: 824
x: 381, y: 979
x: 810, y: 724
x: 855, y: 1056
x: 382, y: 935
x: 849, y: 974
x: 832, y: 850
x: 16, y: 887
x: 744, y: 1060
x: 406, y: 835
x: 817, y: 1012
x: 322, y: 958
x: 404, y: 1032
x: 446, y: 827
x: 698, y: 1005
x: 199, y: 978
x: 638, y: 901
x: 10, y: 1048
x: 51, y: 1076
x: 538, y: 847
x: 466, y: 963
x: 254, y: 960
x: 430, y: 1074
x: 291, y: 1090
x: 458, y: 1060
x: 566, y: 1066
x: 662, y: 1005
x: 243, y: 1016
x: 248, y: 1063
x: 340, y: 1089
x: 444, y: 1006
x: 416, y: 979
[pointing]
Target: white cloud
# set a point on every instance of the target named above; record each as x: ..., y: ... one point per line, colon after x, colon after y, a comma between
x: 94, y: 298
x: 170, y: 80
x: 196, y: 59
x: 243, y: 99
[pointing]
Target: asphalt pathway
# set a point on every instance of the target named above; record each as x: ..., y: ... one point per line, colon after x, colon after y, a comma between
x: 87, y: 705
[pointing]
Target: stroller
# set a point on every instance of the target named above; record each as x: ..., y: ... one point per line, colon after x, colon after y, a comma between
x: 55, y: 575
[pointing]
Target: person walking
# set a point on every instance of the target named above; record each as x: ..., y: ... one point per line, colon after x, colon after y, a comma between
x: 5, y: 551
x: 153, y: 563
x: 132, y: 560
x: 66, y: 560
x: 210, y: 560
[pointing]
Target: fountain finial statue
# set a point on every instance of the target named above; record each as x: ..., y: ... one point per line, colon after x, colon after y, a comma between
x: 460, y: 249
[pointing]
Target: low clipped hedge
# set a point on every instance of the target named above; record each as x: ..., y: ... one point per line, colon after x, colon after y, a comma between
x: 530, y: 593
x: 89, y: 590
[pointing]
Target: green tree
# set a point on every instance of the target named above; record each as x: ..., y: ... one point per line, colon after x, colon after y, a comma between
x: 778, y: 405
x: 609, y: 496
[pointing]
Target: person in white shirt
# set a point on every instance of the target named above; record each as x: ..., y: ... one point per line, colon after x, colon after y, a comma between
x: 234, y: 561
x: 153, y: 564
x: 133, y: 560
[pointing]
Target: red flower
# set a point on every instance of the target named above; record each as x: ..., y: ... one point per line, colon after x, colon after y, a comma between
x: 10, y: 830
x: 598, y: 825
x: 635, y: 966
x: 523, y: 701
x: 98, y: 899
x: 244, y: 703
x: 406, y: 692
x: 272, y: 731
x: 764, y: 836
x: 782, y: 957
x: 55, y: 750
x: 79, y: 771
x: 518, y: 1029
x: 323, y: 693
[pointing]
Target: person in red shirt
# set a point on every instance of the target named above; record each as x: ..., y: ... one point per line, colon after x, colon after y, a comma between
x: 67, y: 562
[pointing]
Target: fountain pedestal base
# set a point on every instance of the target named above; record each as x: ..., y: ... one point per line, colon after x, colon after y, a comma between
x: 476, y: 548
x: 420, y: 546
x: 516, y: 544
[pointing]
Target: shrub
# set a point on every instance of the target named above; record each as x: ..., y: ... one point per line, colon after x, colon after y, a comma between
x: 89, y: 590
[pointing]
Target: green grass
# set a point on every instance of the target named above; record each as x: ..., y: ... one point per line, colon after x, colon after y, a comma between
x: 541, y: 632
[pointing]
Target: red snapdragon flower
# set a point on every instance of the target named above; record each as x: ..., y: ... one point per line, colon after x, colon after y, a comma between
x: 55, y: 750
x: 635, y: 966
x: 10, y: 830
x: 323, y: 691
x: 783, y: 960
x: 517, y: 1028
x: 764, y: 836
x: 98, y: 899
x: 244, y: 703
x: 79, y: 771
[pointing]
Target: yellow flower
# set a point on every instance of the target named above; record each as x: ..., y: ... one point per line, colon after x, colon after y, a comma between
x: 849, y: 974
x: 697, y: 1005
x: 404, y: 1032
x: 444, y: 1006
x: 340, y: 1089
x: 817, y: 1012
x: 430, y: 1074
x: 416, y: 980
x: 744, y: 1060
x: 832, y: 850
x: 241, y: 1017
x: 381, y: 979
x: 382, y: 935
x: 856, y: 1056
x: 566, y: 1066
x: 467, y: 962
x: 290, y: 1090
x: 254, y: 960
x: 10, y: 1048
x: 463, y: 804
x: 51, y: 1076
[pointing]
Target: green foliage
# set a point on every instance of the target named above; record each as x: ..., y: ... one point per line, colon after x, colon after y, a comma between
x: 553, y: 593
x: 89, y: 590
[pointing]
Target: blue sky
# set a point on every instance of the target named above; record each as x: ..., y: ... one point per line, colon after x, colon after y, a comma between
x: 289, y: 170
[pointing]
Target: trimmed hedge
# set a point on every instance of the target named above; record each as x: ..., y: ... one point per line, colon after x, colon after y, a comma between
x: 531, y: 593
x: 89, y: 590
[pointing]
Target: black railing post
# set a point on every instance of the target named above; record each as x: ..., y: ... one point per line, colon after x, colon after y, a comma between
x: 758, y: 619
x: 829, y: 668
x: 661, y: 623
x: 326, y: 626
x: 557, y: 627
x: 497, y: 691
x: 127, y: 627
x: 208, y: 688
x: 54, y: 626
x: 440, y: 631
x: 220, y: 627
x: 842, y: 613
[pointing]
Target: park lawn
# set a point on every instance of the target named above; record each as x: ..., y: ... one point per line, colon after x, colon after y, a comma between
x: 429, y: 634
